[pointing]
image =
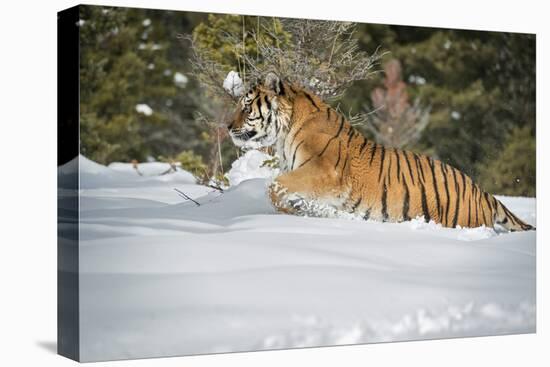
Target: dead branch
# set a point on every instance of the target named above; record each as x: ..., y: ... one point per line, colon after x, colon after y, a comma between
x: 185, y: 196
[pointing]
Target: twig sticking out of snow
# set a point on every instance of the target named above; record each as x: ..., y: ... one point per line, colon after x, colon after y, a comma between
x: 183, y: 195
x: 173, y: 168
x: 136, y: 167
x: 215, y: 187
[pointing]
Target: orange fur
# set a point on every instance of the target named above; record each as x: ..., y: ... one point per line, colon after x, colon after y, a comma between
x: 325, y: 159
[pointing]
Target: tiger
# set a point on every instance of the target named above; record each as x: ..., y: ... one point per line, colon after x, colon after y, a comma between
x: 325, y: 160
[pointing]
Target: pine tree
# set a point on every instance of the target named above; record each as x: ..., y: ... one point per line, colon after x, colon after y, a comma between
x: 122, y: 83
x: 512, y: 171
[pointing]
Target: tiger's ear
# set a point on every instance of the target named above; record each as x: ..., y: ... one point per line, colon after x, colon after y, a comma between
x: 274, y: 83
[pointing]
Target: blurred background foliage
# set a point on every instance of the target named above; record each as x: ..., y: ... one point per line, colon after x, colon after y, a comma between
x: 468, y: 96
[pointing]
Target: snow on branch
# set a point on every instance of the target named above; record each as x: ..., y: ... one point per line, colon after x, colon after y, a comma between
x: 233, y: 84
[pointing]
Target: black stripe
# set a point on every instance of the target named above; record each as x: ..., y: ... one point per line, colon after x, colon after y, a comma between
x: 425, y: 210
x: 469, y: 212
x: 343, y: 168
x: 515, y: 220
x: 294, y: 155
x: 276, y: 124
x: 406, y: 202
x: 292, y: 89
x: 512, y: 217
x: 311, y: 100
x: 267, y: 103
x: 480, y: 204
x: 485, y: 221
x: 384, y: 203
x: 351, y: 132
x: 363, y: 146
x: 372, y: 153
x: 332, y: 138
x: 339, y: 153
x: 486, y: 197
x: 281, y: 88
x: 328, y: 114
x: 457, y: 204
x: 434, y: 183
x: 382, y: 157
x: 389, y: 171
x: 409, y: 166
x: 476, y: 206
x: 260, y: 117
x: 398, y: 165
x: 463, y: 185
x: 495, y: 205
x: 259, y: 105
x: 444, y: 173
x: 356, y: 204
x: 419, y: 166
x: 295, y: 135
x: 304, y: 162
x: 367, y: 214
x: 254, y: 99
x: 492, y: 210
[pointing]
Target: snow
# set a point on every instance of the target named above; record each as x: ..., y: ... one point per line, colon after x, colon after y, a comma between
x: 121, y: 180
x: 417, y: 79
x: 233, y: 84
x: 251, y: 165
x: 144, y: 109
x: 144, y: 169
x: 161, y: 276
x: 180, y: 80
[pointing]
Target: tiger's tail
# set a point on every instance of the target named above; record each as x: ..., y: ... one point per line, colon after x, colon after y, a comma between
x: 508, y: 220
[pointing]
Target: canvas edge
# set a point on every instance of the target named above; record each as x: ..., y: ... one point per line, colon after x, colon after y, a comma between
x: 68, y: 147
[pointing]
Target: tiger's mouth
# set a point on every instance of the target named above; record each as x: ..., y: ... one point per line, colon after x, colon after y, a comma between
x: 250, y: 139
x: 246, y: 135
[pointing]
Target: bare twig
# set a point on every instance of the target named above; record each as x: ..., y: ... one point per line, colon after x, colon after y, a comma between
x: 322, y: 56
x: 173, y: 168
x: 219, y: 148
x: 183, y: 195
x: 215, y: 187
x: 136, y: 167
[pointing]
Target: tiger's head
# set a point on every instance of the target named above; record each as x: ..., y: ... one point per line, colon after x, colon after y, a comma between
x: 261, y: 115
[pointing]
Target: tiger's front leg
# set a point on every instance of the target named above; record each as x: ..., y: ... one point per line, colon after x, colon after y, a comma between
x: 300, y: 191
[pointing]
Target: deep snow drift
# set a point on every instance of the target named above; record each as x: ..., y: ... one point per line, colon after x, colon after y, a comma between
x: 162, y: 276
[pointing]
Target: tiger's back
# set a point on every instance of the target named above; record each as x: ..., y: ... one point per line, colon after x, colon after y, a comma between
x: 398, y: 185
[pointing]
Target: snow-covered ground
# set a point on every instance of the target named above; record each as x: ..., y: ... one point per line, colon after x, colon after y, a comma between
x: 162, y: 276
